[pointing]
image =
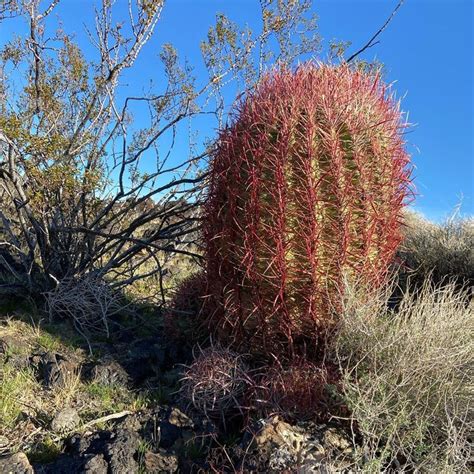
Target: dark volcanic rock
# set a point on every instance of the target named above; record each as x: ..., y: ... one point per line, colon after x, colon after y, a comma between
x: 13, y: 350
x: 54, y: 369
x: 160, y: 462
x: 96, y: 465
x: 66, y: 420
x: 16, y: 464
x: 144, y: 359
x: 109, y: 372
x: 103, y: 452
x: 120, y: 452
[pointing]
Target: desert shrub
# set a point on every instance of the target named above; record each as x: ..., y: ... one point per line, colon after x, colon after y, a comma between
x: 181, y: 320
x: 216, y: 382
x: 298, y: 391
x: 439, y: 251
x: 408, y: 377
x: 89, y: 302
x: 306, y: 185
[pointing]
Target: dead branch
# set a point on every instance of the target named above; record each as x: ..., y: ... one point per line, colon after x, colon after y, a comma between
x: 372, y: 41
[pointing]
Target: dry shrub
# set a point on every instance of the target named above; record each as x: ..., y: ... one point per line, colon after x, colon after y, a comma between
x: 440, y: 251
x: 88, y: 301
x: 180, y: 319
x: 295, y: 392
x: 216, y: 382
x: 408, y: 377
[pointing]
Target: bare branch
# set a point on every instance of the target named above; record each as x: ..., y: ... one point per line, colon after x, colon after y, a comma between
x: 372, y: 42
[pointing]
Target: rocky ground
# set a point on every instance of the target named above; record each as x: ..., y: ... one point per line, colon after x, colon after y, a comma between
x: 119, y: 410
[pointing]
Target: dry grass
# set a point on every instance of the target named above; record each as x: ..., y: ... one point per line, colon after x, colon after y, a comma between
x: 27, y: 406
x: 66, y: 393
x: 408, y: 377
x: 438, y: 251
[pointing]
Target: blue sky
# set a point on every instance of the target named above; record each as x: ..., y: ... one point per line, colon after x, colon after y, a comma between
x: 427, y: 50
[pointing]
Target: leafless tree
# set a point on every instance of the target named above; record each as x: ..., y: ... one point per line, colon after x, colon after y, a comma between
x: 83, y: 186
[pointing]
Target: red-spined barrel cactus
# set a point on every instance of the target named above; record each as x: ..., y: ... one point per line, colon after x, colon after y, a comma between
x: 306, y: 187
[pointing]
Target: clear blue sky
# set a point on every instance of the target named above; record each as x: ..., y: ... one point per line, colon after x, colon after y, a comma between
x: 427, y: 50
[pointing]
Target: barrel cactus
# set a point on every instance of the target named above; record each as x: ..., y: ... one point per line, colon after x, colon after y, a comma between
x: 307, y: 183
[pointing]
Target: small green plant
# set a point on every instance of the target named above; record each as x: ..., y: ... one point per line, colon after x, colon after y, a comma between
x: 109, y: 398
x: 45, y: 452
x: 150, y: 398
x: 48, y: 341
x: 193, y: 449
x: 143, y: 448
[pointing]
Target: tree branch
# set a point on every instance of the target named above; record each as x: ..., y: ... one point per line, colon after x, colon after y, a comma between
x: 371, y: 42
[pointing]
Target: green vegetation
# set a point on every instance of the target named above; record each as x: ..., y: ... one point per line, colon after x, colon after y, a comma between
x: 17, y: 390
x: 45, y: 452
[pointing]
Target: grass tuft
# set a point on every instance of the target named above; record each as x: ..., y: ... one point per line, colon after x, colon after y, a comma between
x: 17, y: 388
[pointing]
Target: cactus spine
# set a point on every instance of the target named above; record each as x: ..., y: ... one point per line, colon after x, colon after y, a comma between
x: 306, y: 187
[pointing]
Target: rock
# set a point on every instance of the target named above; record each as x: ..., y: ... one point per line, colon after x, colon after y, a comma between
x: 99, y: 453
x: 337, y: 440
x: 275, y: 432
x: 160, y: 462
x: 14, y: 351
x: 144, y: 359
x: 18, y: 361
x: 66, y: 420
x: 4, y: 441
x: 120, y: 453
x: 276, y: 446
x: 149, y: 349
x: 11, y: 343
x: 118, y: 449
x: 178, y: 418
x: 175, y: 427
x: 4, y: 347
x: 54, y: 370
x: 169, y: 434
x: 96, y: 465
x: 16, y: 464
x: 308, y: 447
x: 78, y: 444
x: 109, y: 372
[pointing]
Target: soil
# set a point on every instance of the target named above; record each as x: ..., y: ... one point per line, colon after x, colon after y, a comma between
x: 151, y: 427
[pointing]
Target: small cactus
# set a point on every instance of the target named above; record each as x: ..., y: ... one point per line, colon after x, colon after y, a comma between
x: 181, y: 320
x: 215, y: 383
x: 297, y: 391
